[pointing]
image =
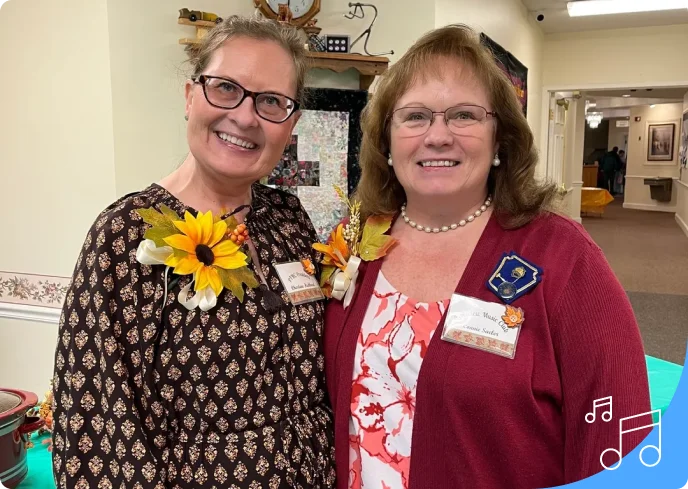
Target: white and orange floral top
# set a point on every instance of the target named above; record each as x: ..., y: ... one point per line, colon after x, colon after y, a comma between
x: 393, y: 340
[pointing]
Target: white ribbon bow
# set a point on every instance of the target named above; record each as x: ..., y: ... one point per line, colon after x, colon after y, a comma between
x: 204, y: 299
x: 149, y: 254
x: 344, y: 281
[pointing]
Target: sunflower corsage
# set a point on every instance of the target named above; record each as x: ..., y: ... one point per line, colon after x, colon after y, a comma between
x: 206, y: 246
x: 348, y: 246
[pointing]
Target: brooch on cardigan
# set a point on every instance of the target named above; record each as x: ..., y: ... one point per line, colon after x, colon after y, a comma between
x: 205, y: 246
x: 513, y: 277
x: 348, y: 246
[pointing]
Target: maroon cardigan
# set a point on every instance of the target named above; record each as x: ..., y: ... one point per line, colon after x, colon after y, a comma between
x: 487, y: 422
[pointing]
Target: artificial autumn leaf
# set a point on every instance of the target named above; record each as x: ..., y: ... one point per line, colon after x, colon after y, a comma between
x: 162, y: 225
x: 513, y: 316
x: 234, y: 279
x: 335, y: 250
x: 326, y: 274
x: 170, y: 213
x: 374, y: 242
x: 232, y: 223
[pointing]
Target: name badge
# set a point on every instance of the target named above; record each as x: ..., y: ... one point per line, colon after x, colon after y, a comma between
x: 298, y: 283
x: 487, y: 326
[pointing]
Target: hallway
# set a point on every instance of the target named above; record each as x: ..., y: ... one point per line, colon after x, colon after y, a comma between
x: 649, y: 254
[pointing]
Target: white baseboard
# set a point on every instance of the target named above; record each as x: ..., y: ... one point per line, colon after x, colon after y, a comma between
x: 578, y: 220
x: 648, y: 207
x: 30, y: 313
x: 682, y: 224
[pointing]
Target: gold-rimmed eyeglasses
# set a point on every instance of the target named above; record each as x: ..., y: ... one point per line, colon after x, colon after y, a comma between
x: 228, y: 94
x: 415, y: 121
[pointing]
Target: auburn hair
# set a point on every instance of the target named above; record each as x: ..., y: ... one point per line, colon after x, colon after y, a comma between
x: 517, y: 196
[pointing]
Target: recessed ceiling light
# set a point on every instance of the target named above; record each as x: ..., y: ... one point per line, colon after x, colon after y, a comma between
x: 652, y: 106
x: 626, y: 94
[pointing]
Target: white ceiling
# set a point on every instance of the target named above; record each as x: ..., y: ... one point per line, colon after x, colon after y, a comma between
x: 655, y: 93
x: 557, y: 18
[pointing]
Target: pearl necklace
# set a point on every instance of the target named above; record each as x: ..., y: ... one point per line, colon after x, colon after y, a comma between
x: 444, y: 229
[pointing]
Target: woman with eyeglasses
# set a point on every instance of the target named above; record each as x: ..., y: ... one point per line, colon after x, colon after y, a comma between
x: 491, y: 346
x: 187, y: 357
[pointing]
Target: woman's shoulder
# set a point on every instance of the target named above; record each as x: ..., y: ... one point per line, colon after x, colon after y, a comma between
x: 553, y: 229
x: 121, y: 215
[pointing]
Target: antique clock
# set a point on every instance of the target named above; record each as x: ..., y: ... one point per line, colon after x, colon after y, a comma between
x: 294, y: 12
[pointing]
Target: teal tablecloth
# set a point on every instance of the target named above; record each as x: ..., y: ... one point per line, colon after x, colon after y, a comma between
x: 663, y: 377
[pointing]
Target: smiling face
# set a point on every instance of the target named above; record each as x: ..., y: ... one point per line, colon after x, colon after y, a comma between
x: 442, y: 163
x: 236, y: 144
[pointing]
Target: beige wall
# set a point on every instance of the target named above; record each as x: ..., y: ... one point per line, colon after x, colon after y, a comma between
x: 617, y: 57
x: 682, y: 189
x: 507, y: 22
x: 95, y: 110
x: 57, y: 156
x: 148, y: 72
x: 637, y: 194
x: 617, y: 134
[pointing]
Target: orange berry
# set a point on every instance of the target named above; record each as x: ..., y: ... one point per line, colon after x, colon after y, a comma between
x: 233, y: 238
x: 241, y: 228
x: 240, y: 239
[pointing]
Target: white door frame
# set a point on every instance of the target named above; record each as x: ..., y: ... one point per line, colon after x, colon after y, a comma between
x: 546, y: 90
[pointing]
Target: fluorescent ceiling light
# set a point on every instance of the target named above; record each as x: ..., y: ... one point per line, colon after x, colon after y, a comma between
x: 604, y: 7
x: 626, y: 95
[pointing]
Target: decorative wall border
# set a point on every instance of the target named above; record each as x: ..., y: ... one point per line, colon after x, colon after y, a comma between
x: 32, y: 297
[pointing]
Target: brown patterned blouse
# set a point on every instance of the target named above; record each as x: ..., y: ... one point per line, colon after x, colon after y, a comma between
x: 148, y: 396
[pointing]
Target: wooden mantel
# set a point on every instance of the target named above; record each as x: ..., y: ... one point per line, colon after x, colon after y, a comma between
x: 367, y: 66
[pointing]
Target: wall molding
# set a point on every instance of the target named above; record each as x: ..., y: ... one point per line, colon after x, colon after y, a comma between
x: 30, y: 313
x: 32, y: 297
x: 648, y: 207
x: 648, y: 176
x: 682, y: 183
x: 682, y: 224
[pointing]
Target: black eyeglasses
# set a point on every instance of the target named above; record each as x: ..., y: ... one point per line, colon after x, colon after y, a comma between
x: 227, y: 94
x: 415, y: 121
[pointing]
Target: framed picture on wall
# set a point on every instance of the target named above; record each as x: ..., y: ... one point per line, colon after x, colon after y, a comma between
x: 660, y: 142
x: 683, y: 150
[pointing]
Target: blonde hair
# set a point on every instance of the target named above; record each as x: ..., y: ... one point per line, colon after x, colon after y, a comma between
x: 517, y: 196
x: 254, y: 28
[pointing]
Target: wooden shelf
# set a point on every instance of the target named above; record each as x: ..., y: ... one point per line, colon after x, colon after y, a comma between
x: 367, y: 66
x: 198, y: 23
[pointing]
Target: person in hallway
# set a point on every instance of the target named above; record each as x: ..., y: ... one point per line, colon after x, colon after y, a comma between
x: 611, y: 163
x: 182, y: 361
x: 490, y: 326
x: 620, y: 176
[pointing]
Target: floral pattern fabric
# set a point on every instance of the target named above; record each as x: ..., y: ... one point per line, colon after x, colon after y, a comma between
x: 150, y: 395
x: 394, y: 338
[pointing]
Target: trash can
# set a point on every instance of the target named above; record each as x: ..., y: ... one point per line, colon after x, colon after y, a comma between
x: 660, y: 188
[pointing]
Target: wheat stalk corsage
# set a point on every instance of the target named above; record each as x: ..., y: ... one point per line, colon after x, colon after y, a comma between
x: 348, y: 246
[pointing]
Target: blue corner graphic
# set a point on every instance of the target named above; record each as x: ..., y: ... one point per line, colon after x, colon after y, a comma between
x: 643, y: 468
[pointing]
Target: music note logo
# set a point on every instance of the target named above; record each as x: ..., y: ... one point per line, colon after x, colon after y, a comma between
x: 598, y: 403
x: 619, y: 452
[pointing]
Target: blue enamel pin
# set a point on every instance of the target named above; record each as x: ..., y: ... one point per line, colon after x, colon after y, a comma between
x: 513, y: 277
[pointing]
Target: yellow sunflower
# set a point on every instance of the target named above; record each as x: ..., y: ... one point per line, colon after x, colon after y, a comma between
x: 205, y: 250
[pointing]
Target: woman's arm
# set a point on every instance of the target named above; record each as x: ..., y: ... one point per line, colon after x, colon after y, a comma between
x: 600, y: 354
x: 103, y: 435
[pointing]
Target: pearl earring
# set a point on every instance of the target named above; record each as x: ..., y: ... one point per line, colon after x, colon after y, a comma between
x: 496, y: 161
x: 389, y: 160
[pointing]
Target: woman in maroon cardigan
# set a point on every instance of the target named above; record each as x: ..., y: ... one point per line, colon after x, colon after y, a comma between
x: 472, y: 351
